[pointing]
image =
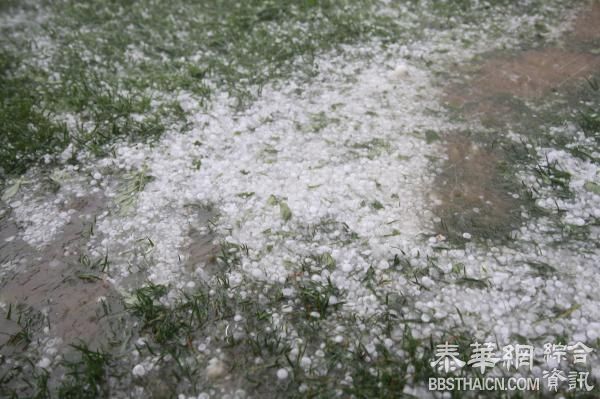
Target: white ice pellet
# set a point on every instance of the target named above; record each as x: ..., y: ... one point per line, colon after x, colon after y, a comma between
x: 347, y: 267
x: 44, y: 363
x: 305, y: 362
x: 282, y: 374
x: 139, y: 370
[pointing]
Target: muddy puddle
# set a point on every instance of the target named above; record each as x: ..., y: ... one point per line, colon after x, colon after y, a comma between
x: 66, y: 291
x: 200, y: 251
x: 58, y: 283
x: 472, y: 191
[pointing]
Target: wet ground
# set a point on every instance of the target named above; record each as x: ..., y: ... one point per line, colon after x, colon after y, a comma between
x: 503, y: 91
x: 68, y: 290
x: 61, y: 287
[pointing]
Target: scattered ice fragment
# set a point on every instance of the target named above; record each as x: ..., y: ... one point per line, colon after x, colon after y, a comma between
x: 139, y: 370
x: 401, y: 71
x: 466, y: 236
x: 282, y: 374
x: 44, y: 363
x: 347, y: 267
x: 427, y: 282
x: 305, y: 361
x: 256, y: 273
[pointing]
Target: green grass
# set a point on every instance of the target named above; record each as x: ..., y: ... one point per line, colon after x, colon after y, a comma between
x: 29, y: 321
x: 206, y: 48
x: 27, y: 129
x: 87, y: 375
x: 198, y: 47
x: 134, y: 183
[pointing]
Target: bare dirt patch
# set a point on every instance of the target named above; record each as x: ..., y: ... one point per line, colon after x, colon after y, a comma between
x: 529, y: 74
x: 472, y: 195
x: 587, y: 25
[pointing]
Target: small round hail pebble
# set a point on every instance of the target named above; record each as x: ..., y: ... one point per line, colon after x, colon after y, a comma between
x: 347, y: 267
x: 305, y: 361
x: 282, y: 374
x: 578, y: 222
x: 44, y: 363
x: 237, y: 317
x: 427, y: 282
x: 466, y: 236
x: 338, y: 339
x: 256, y: 273
x: 399, y: 72
x: 139, y: 370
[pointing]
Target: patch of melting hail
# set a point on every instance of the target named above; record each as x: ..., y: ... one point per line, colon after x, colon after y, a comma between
x: 347, y: 147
